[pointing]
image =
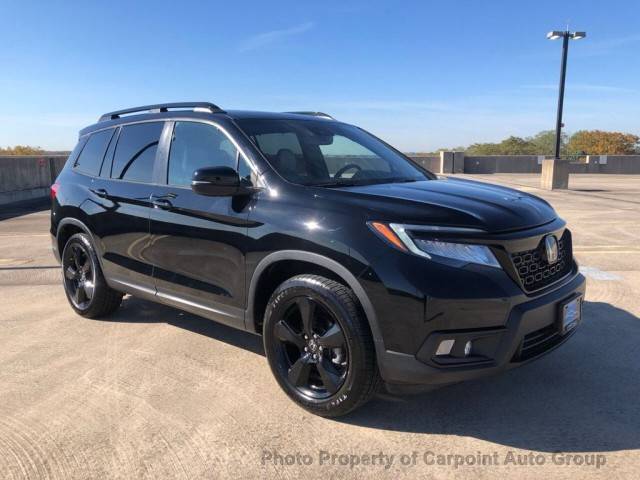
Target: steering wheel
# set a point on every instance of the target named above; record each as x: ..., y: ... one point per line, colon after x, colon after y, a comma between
x: 348, y: 166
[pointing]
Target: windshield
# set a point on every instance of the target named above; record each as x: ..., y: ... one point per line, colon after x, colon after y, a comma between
x: 322, y: 153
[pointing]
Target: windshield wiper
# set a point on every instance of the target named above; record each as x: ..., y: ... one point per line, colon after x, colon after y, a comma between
x: 404, y: 180
x: 369, y: 181
x: 336, y: 183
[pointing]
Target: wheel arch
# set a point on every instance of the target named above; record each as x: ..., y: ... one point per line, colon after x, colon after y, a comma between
x: 337, y: 272
x: 68, y: 227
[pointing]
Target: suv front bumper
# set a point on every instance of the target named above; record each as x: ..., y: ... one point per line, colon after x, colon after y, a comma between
x: 533, y: 320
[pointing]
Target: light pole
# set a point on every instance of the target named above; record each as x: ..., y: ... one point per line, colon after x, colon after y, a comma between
x: 566, y: 36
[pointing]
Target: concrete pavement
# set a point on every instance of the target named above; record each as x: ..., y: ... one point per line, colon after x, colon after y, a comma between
x: 156, y: 393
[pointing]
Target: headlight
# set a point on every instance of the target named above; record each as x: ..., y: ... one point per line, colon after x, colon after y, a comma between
x: 399, y: 237
x: 479, y: 254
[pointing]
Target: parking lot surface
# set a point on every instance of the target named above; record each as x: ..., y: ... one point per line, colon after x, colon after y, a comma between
x: 153, y: 392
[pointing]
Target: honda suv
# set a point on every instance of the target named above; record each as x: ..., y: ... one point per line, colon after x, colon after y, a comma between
x: 358, y: 267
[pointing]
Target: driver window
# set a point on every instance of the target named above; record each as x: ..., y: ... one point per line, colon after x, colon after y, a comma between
x: 195, y: 145
x: 351, y: 157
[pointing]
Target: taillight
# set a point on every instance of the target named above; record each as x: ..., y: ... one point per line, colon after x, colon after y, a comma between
x: 54, y: 190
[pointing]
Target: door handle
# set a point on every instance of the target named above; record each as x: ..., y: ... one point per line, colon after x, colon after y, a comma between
x: 100, y: 192
x: 162, y: 203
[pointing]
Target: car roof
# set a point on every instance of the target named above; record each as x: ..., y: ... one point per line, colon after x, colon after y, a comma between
x: 152, y: 112
x: 251, y: 114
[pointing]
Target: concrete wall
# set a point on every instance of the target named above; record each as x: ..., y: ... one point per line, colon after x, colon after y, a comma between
x: 503, y: 164
x: 457, y: 162
x: 27, y: 177
x: 614, y: 164
x: 429, y: 162
x: 446, y: 162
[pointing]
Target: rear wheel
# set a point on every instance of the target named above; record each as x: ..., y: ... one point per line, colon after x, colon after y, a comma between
x: 319, y: 345
x: 84, y: 284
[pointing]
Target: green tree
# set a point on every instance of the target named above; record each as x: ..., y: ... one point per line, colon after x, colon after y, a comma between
x: 594, y: 142
x: 482, y: 149
x: 509, y: 146
x: 545, y: 142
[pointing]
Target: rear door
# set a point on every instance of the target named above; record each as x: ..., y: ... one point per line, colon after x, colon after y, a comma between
x: 198, y: 242
x: 123, y: 193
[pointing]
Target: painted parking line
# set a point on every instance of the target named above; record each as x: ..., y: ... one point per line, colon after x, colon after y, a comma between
x: 44, y: 267
x: 579, y: 248
x: 16, y: 234
x: 598, y: 252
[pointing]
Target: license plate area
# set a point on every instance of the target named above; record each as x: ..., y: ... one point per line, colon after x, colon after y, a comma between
x: 570, y: 314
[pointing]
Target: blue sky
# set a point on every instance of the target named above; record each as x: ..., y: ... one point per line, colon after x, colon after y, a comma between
x: 420, y: 74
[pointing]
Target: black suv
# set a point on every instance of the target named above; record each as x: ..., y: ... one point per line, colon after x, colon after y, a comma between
x: 357, y: 266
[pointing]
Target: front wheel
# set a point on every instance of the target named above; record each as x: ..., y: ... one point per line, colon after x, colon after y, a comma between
x: 319, y: 345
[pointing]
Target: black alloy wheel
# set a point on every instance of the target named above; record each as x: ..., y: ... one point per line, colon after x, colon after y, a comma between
x: 319, y: 345
x: 312, y: 348
x: 79, y: 275
x: 84, y: 283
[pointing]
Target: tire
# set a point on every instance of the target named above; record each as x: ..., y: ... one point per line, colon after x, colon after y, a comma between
x: 84, y: 284
x: 337, y: 372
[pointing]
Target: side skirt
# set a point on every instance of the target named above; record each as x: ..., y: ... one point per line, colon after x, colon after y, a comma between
x: 230, y: 316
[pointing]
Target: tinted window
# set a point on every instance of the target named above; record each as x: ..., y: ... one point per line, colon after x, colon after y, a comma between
x: 248, y: 175
x: 76, y: 151
x: 136, y: 152
x: 318, y: 152
x: 90, y: 158
x: 271, y: 143
x: 105, y: 171
x: 195, y: 145
x: 352, y: 157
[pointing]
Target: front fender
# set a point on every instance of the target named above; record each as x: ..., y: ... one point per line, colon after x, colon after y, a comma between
x: 324, y: 262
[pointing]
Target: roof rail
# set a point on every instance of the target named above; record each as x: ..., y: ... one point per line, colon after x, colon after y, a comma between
x: 162, y: 107
x: 314, y: 114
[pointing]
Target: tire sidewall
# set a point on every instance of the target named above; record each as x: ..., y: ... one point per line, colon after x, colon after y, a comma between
x: 83, y: 239
x: 349, y: 392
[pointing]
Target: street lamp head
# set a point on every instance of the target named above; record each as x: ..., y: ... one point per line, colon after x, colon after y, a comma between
x: 555, y: 35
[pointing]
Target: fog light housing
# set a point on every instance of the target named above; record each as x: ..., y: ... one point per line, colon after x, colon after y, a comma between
x: 467, y: 348
x: 445, y: 346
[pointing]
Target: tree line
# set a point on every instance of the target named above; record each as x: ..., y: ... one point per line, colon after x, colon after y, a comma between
x: 582, y: 142
x: 21, y: 150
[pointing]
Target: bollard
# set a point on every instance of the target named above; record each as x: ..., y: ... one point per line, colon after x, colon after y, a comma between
x: 446, y: 162
x: 555, y: 174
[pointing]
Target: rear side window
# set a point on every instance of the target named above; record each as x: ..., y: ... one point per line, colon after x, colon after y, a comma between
x: 90, y: 158
x: 136, y: 152
x: 75, y: 153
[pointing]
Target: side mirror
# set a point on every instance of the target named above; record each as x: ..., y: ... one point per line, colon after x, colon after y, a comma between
x: 216, y: 182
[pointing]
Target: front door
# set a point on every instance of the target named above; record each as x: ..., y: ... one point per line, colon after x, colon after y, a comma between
x: 198, y: 242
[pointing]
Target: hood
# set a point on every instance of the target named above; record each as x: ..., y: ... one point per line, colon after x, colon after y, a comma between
x: 454, y: 202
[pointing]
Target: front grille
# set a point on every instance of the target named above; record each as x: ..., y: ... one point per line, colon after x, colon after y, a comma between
x: 533, y: 269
